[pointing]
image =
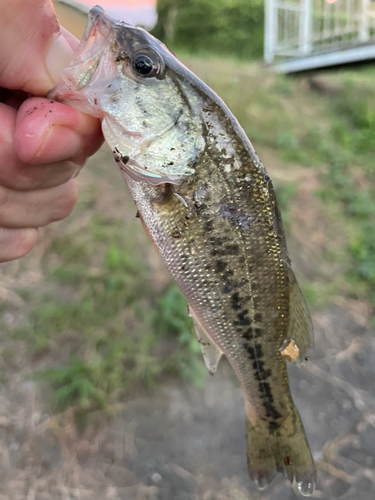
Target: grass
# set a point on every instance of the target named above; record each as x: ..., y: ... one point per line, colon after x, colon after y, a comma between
x: 117, y: 325
x: 345, y: 154
x: 103, y: 319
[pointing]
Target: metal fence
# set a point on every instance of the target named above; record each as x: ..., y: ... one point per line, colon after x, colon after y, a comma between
x: 300, y: 28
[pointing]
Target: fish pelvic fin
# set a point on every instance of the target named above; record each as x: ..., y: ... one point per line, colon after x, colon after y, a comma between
x: 274, y: 447
x: 211, y: 352
x: 300, y: 328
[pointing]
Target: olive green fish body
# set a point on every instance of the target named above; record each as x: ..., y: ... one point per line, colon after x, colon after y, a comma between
x: 222, y: 240
x: 210, y: 208
x: 225, y: 250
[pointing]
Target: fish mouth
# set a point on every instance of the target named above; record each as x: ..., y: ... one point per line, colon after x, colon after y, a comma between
x: 95, y: 44
x: 98, y: 13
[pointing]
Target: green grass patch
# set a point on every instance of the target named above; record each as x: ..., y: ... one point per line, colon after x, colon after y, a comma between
x: 114, y: 332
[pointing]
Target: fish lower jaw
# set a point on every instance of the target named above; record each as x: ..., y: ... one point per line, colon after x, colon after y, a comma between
x: 64, y: 93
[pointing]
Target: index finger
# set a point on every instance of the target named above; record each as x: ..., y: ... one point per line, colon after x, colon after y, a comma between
x: 49, y: 131
x: 27, y: 162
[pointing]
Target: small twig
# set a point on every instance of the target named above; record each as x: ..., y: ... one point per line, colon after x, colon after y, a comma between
x: 362, y: 399
x: 334, y: 471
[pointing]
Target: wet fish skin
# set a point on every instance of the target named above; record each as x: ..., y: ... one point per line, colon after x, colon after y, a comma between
x: 209, y: 206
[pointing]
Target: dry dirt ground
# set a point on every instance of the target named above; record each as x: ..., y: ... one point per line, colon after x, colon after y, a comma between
x: 188, y: 443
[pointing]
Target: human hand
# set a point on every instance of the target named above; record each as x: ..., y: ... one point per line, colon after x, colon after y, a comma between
x: 43, y: 144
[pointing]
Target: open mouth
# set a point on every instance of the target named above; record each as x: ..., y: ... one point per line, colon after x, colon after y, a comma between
x: 79, y: 73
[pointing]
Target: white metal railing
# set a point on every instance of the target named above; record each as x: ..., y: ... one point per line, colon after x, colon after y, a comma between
x: 297, y: 28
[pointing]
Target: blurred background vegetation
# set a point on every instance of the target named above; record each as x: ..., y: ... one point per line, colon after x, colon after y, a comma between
x: 227, y: 27
x: 92, y: 309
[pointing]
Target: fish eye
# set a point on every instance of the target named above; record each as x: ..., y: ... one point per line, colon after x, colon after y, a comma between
x: 146, y: 65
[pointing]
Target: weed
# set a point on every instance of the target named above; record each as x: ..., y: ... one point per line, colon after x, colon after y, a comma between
x: 171, y: 319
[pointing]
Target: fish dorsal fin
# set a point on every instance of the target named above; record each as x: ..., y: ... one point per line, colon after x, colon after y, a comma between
x: 300, y: 328
x: 211, y: 352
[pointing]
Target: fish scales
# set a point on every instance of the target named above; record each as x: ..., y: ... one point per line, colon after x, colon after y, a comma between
x: 223, y: 277
x: 209, y: 206
x: 226, y: 252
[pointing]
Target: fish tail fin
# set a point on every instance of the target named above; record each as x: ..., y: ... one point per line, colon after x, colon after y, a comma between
x: 274, y: 447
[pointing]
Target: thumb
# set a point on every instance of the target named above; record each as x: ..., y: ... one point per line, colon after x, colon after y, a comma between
x: 32, y: 49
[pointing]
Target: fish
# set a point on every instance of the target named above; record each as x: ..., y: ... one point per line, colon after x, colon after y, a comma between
x: 209, y: 206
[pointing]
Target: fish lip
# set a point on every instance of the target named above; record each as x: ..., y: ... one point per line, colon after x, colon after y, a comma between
x: 98, y: 12
x: 100, y: 33
x: 95, y: 12
x: 97, y: 35
x: 138, y: 174
x: 97, y: 17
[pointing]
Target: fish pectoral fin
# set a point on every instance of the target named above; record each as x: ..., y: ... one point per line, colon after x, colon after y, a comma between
x: 211, y: 352
x: 300, y: 325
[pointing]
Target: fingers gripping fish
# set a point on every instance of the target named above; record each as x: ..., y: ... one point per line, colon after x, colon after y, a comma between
x: 210, y: 208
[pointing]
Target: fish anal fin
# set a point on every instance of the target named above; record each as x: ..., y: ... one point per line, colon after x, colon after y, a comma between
x: 300, y: 328
x: 211, y: 352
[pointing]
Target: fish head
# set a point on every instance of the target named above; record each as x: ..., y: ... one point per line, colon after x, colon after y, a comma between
x: 148, y: 107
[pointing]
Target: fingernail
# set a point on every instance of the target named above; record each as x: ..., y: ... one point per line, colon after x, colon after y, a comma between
x: 59, y: 54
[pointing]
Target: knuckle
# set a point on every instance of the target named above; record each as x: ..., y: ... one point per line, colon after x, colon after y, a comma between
x: 66, y: 202
x: 8, y: 118
x: 24, y: 242
x: 4, y: 197
x: 16, y: 243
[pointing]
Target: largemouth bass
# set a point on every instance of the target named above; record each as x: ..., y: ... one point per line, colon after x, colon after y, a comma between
x: 209, y: 206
